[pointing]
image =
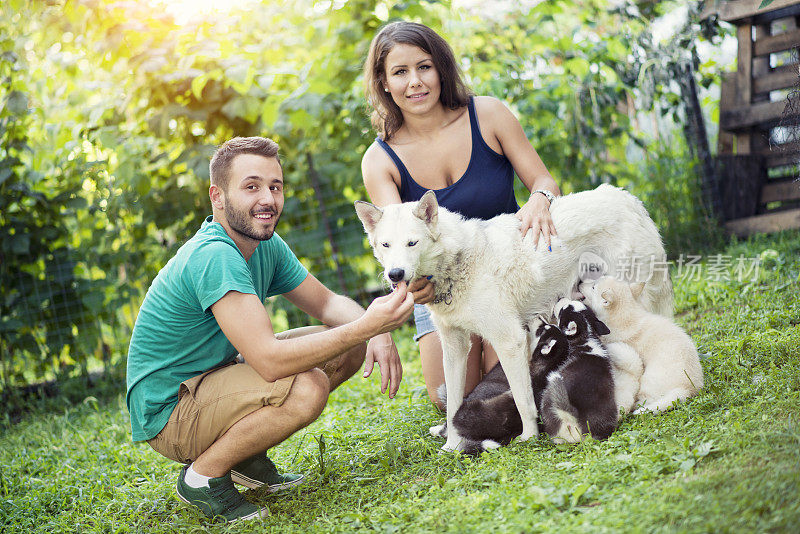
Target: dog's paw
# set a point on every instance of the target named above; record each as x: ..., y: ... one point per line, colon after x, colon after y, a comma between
x: 489, y: 444
x: 453, y: 445
x: 439, y: 431
x: 531, y: 434
x: 652, y: 408
x: 641, y: 408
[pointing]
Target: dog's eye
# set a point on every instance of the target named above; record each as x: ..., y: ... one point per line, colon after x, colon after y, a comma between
x: 385, y: 245
x: 412, y: 243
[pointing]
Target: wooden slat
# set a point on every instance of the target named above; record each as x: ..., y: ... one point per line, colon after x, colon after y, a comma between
x: 780, y: 159
x: 790, y: 147
x: 726, y: 140
x: 765, y: 115
x: 744, y: 66
x: 744, y: 80
x: 776, y: 43
x: 780, y: 78
x: 782, y: 190
x: 734, y: 11
x: 760, y: 64
x: 766, y: 223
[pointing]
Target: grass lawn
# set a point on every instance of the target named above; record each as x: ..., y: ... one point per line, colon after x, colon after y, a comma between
x: 726, y: 461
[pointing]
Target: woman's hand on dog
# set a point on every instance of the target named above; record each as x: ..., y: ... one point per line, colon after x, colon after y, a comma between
x: 423, y: 290
x: 535, y: 216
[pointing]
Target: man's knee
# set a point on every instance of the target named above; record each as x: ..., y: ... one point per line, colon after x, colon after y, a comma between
x: 309, y: 394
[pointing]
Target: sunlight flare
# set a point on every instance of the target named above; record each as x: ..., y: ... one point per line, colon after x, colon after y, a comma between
x: 186, y: 10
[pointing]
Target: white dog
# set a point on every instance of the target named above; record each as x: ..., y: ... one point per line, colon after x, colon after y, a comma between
x: 491, y: 282
x: 672, y: 370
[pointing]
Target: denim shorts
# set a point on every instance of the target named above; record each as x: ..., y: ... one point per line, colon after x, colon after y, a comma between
x: 422, y: 318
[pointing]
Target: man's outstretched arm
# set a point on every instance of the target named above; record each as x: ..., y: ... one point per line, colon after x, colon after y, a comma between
x: 245, y: 322
x: 318, y: 301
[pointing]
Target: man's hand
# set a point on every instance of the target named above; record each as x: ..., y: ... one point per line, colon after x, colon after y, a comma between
x: 389, y: 311
x: 381, y: 349
x: 423, y: 290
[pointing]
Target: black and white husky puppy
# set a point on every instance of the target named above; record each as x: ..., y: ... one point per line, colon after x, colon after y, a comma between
x: 488, y: 417
x: 579, y: 397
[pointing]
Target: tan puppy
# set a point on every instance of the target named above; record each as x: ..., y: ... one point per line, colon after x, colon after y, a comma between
x: 672, y: 369
x: 627, y: 369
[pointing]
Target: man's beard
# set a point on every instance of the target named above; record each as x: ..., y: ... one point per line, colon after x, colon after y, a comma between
x: 242, y: 222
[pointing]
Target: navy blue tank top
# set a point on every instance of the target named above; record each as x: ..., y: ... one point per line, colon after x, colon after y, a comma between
x: 484, y: 191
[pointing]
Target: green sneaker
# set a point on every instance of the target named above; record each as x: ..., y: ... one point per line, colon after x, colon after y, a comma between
x: 259, y: 471
x: 219, y: 499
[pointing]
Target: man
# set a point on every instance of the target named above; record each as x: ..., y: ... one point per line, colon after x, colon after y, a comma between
x: 187, y: 395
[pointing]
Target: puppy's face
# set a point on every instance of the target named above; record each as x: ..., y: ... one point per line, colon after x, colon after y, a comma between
x: 598, y: 295
x: 550, y: 337
x: 552, y: 349
x: 577, y: 321
x: 607, y: 295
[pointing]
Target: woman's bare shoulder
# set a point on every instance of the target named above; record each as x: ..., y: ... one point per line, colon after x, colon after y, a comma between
x: 492, y: 110
x: 375, y: 156
x: 377, y: 168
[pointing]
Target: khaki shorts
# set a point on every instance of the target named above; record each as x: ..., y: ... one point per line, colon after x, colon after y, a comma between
x: 210, y: 403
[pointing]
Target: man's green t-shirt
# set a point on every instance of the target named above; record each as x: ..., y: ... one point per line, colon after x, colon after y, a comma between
x: 176, y: 336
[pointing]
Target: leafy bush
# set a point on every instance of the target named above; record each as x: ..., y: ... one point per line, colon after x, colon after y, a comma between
x: 111, y: 111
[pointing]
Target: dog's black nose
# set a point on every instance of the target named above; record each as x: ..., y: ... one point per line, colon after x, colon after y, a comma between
x: 396, y: 275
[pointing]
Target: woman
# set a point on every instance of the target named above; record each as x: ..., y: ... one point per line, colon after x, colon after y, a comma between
x: 466, y: 148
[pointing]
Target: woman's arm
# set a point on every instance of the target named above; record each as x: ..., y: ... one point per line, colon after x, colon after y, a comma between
x: 498, y: 123
x: 382, y: 182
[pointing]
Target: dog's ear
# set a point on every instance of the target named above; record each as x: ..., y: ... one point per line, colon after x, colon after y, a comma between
x: 571, y: 328
x: 637, y: 289
x: 599, y: 326
x: 427, y: 209
x: 369, y: 214
x: 547, y: 347
x: 539, y: 327
x: 593, y: 321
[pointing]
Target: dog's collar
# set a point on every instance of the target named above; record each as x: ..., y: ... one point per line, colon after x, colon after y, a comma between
x: 446, y: 297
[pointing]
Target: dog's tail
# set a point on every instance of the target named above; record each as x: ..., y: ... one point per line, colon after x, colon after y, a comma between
x: 474, y: 448
x: 471, y: 447
x: 441, y: 392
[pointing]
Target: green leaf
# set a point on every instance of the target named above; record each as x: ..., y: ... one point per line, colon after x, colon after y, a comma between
x: 578, y: 492
x: 198, y: 84
x: 10, y: 325
x: 20, y: 243
x: 240, y: 73
x: 17, y: 103
x: 392, y: 452
x: 5, y: 174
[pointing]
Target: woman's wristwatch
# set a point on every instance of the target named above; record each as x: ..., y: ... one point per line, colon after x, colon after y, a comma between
x: 550, y: 196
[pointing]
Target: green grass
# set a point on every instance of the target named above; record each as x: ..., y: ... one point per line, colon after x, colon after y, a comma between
x: 726, y: 461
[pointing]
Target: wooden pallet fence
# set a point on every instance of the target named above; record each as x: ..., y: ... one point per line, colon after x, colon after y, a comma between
x: 759, y: 138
